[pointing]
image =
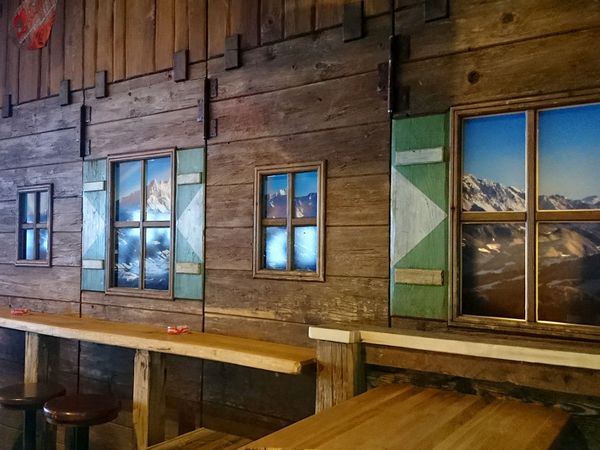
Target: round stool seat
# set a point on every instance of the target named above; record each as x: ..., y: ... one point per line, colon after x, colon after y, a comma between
x: 29, y: 395
x: 82, y: 410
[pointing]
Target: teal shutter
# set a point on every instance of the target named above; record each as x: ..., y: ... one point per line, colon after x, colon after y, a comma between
x: 419, y: 217
x: 189, y: 236
x: 93, y: 247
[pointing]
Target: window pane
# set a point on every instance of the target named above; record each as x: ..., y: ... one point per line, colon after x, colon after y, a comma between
x: 493, y: 270
x: 27, y: 244
x: 569, y: 158
x: 157, y: 258
x: 305, y: 194
x: 275, y: 191
x: 158, y: 189
x: 306, y: 244
x: 275, y: 248
x: 43, y: 207
x: 127, y: 257
x: 494, y: 163
x: 27, y: 207
x: 569, y: 272
x: 43, y: 243
x: 128, y: 183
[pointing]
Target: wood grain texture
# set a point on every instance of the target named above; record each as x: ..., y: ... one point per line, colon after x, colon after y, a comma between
x: 148, y: 398
x: 3, y: 47
x: 66, y: 178
x: 139, y: 40
x: 244, y: 21
x: 419, y: 276
x: 218, y: 26
x: 57, y: 48
x: 299, y: 17
x: 58, y: 283
x: 67, y: 215
x: 89, y: 42
x: 328, y: 13
x: 202, y: 438
x: 164, y: 34
x: 119, y: 20
x: 74, y: 21
x: 197, y: 23
x: 271, y: 21
x: 12, y: 55
x: 358, y: 200
x: 29, y: 74
x: 181, y: 25
x: 104, y: 38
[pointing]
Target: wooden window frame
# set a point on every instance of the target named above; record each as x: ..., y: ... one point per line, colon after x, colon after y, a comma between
x: 289, y: 222
x: 531, y: 107
x: 142, y: 224
x: 37, y: 189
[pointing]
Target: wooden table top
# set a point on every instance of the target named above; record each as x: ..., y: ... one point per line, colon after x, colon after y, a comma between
x: 228, y: 349
x: 402, y: 416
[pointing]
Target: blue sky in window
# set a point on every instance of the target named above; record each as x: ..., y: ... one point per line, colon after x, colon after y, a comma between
x: 494, y: 148
x: 569, y: 151
x: 129, y: 174
x: 305, y: 183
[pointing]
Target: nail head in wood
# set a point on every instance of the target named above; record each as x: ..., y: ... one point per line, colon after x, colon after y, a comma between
x: 101, y: 88
x: 353, y: 20
x: 436, y: 10
x: 64, y: 95
x: 232, y: 52
x: 180, y: 66
x: 6, y: 106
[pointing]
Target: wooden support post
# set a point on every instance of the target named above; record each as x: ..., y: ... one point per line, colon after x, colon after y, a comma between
x: 340, y: 371
x: 149, y: 398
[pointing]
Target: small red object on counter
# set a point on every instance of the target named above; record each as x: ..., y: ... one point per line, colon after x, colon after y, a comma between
x: 19, y: 311
x: 179, y: 329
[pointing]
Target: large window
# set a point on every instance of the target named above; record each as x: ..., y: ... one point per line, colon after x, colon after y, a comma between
x: 34, y: 231
x: 141, y: 224
x: 527, y: 227
x: 289, y: 222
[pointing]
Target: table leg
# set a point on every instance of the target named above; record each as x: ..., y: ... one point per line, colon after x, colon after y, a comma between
x: 29, y: 430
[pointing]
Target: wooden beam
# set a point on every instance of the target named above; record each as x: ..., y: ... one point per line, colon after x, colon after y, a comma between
x: 149, y: 373
x: 419, y: 276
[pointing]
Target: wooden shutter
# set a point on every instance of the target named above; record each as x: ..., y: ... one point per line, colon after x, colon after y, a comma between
x: 93, y: 249
x: 419, y: 217
x: 189, y: 225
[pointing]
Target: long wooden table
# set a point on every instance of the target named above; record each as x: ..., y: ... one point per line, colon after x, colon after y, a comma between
x: 398, y: 416
x: 151, y: 344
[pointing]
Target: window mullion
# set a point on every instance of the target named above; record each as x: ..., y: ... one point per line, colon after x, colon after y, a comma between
x: 36, y: 234
x: 141, y: 225
x: 531, y: 228
x: 290, y: 204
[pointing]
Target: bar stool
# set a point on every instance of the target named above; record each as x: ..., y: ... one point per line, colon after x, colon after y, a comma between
x: 29, y: 397
x: 79, y: 412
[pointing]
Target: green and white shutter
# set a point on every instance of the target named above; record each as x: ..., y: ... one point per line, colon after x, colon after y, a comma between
x: 93, y: 249
x: 419, y: 217
x: 189, y: 224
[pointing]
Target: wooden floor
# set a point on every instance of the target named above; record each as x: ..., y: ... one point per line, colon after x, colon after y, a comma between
x: 408, y: 417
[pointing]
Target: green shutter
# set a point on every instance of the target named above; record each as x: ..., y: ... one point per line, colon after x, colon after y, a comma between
x: 93, y: 248
x: 419, y: 216
x: 189, y: 235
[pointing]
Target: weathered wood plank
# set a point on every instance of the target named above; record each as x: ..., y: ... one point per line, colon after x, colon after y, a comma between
x: 46, y: 148
x: 271, y: 21
x: 143, y: 316
x: 105, y: 33
x: 221, y: 201
x: 66, y: 249
x: 301, y: 109
x: 358, y: 200
x: 218, y: 26
x: 299, y: 17
x: 339, y: 299
x: 328, y: 13
x: 57, y: 48
x: 66, y: 178
x: 3, y: 44
x: 229, y: 248
x: 41, y: 305
x: 256, y: 328
x: 164, y: 34
x: 44, y: 88
x: 197, y: 30
x: 148, y: 398
x: 119, y: 65
x: 12, y: 54
x: 58, y: 283
x: 74, y: 19
x: 143, y: 304
x: 244, y: 21
x: 376, y: 7
x: 29, y: 74
x: 181, y: 25
x: 357, y: 251
x: 139, y: 40
x: 419, y: 276
x: 89, y: 42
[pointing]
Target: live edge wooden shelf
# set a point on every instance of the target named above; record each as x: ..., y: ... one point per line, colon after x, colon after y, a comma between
x: 151, y: 343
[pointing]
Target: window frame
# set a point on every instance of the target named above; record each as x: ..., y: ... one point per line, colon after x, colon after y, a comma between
x: 289, y: 169
x: 37, y: 189
x: 531, y: 107
x: 141, y: 224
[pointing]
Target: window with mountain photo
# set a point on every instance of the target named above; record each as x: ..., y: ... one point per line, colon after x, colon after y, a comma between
x: 288, y: 222
x: 529, y: 225
x: 141, y: 223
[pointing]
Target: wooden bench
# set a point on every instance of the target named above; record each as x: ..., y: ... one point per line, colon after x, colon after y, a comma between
x: 401, y: 416
x: 151, y: 344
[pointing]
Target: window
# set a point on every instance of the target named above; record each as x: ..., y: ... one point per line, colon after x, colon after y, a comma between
x: 527, y: 231
x: 289, y: 210
x: 34, y: 231
x: 141, y: 224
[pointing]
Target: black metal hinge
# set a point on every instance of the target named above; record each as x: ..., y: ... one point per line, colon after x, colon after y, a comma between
x: 85, y: 118
x: 210, y: 126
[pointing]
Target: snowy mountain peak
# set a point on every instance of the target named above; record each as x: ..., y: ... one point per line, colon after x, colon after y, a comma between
x: 485, y: 195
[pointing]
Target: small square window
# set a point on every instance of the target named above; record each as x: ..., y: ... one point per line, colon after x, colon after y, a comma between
x: 289, y: 210
x: 34, y: 218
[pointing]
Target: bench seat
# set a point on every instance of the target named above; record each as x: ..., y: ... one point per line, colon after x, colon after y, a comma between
x: 202, y: 439
x: 402, y: 416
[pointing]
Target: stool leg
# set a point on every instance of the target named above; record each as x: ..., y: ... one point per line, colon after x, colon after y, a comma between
x: 29, y: 430
x: 78, y: 438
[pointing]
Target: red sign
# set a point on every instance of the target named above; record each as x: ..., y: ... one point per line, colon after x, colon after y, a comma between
x: 33, y: 22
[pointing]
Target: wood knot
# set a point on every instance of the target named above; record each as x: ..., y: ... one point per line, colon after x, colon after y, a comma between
x: 508, y: 17
x: 473, y: 76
